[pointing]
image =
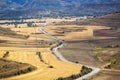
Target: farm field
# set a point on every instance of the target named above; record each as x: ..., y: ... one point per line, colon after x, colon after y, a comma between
x: 83, y: 44
x: 28, y: 55
x: 80, y: 45
x: 25, y: 51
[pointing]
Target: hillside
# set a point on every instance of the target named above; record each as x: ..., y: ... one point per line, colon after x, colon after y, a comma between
x: 54, y: 8
x: 9, y: 33
x: 11, y: 68
x: 110, y: 20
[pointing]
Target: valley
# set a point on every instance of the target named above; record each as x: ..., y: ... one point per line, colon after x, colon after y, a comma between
x: 91, y: 45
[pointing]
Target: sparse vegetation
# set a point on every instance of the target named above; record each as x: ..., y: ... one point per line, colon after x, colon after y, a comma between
x: 85, y: 70
x: 50, y: 66
x: 9, y: 33
x: 30, y: 24
x: 12, y: 68
x: 112, y: 46
x: 27, y: 36
x: 2, y: 41
x: 6, y: 54
x: 75, y: 76
x: 15, y: 25
x: 114, y: 62
x: 110, y: 55
x: 60, y: 78
x: 40, y: 56
x: 77, y: 62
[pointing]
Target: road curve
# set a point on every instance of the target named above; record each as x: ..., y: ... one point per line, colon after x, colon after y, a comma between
x: 58, y: 54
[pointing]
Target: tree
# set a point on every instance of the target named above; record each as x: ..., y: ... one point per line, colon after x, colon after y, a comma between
x: 30, y: 24
x: 75, y: 76
x: 40, y: 56
x: 16, y: 25
x: 60, y: 78
x: 85, y: 70
x: 6, y: 54
x: 50, y: 66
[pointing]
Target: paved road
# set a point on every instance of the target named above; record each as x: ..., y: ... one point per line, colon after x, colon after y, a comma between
x: 58, y: 54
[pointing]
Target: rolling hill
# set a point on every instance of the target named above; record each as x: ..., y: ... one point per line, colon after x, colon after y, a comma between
x: 109, y: 20
x: 9, y: 33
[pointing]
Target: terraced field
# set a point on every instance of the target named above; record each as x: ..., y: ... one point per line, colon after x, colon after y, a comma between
x: 45, y: 62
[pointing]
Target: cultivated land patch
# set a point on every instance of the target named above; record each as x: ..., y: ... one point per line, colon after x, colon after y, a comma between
x: 81, y: 41
x: 26, y: 51
x: 28, y: 55
x: 12, y: 68
x: 107, y: 75
x: 95, y: 36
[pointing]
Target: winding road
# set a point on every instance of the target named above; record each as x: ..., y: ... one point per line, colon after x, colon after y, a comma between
x: 58, y: 54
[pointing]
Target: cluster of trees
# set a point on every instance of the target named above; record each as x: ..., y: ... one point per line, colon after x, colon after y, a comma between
x: 19, y: 72
x: 112, y: 46
x: 85, y: 70
x: 40, y: 56
x: 29, y: 69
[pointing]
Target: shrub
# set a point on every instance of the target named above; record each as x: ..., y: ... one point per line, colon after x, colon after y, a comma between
x: 18, y: 73
x: 117, y: 46
x: 40, y: 56
x: 60, y: 78
x: 15, y: 25
x: 108, y: 67
x: 75, y: 76
x: 30, y: 24
x: 5, y: 66
x: 27, y: 36
x: 51, y: 66
x: 76, y: 62
x: 85, y: 70
x: 6, y: 54
x: 29, y: 69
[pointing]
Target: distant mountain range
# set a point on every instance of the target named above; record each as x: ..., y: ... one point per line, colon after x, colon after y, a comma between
x: 53, y: 8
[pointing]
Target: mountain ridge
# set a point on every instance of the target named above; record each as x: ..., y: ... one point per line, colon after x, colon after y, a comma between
x: 57, y: 7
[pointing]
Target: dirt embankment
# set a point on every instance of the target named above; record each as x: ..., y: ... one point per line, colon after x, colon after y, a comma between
x: 11, y: 68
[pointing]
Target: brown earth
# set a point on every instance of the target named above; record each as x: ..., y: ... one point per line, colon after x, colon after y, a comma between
x: 107, y: 32
x: 79, y: 43
x: 24, y: 50
x: 107, y: 75
x: 110, y: 20
x: 9, y: 33
x: 11, y: 68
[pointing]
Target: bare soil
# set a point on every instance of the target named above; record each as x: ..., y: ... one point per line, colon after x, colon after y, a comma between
x: 107, y: 75
x: 79, y: 51
x: 11, y: 68
x: 107, y: 32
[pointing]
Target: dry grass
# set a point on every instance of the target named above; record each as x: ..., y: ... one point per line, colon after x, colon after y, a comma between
x: 73, y: 32
x: 82, y: 51
x: 28, y: 55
